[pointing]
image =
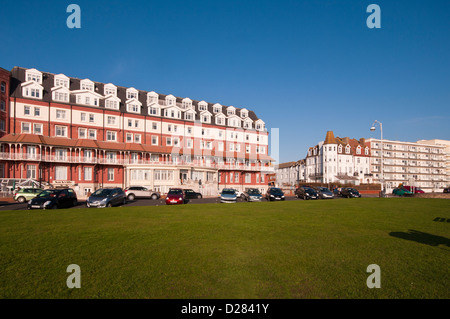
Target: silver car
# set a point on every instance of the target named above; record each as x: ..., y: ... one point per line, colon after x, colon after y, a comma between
x: 228, y: 195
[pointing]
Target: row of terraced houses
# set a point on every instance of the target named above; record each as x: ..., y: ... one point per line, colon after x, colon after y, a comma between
x: 66, y: 131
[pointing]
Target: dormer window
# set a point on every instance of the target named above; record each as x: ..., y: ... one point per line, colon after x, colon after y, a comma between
x: 152, y: 98
x: 244, y: 113
x: 231, y: 111
x: 340, y: 149
x: 205, y: 118
x: 347, y: 149
x: 220, y: 120
x: 87, y: 85
x: 189, y: 115
x: 153, y: 110
x: 217, y: 108
x: 247, y: 124
x: 132, y: 93
x: 234, y: 121
x: 358, y: 150
x: 366, y: 151
x: 134, y: 108
x: 112, y: 104
x: 259, y: 125
x: 186, y: 104
x: 202, y: 106
x: 110, y: 89
x: 34, y: 75
x: 32, y: 90
x: 173, y: 113
x: 61, y: 96
x: 170, y: 100
x: 61, y: 81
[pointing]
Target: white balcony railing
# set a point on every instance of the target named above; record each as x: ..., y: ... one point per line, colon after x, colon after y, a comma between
x: 117, y: 161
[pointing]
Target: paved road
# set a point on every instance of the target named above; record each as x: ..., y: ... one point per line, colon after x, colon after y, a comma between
x: 143, y: 202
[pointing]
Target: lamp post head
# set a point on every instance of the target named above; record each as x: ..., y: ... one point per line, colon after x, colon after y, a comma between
x: 372, y: 128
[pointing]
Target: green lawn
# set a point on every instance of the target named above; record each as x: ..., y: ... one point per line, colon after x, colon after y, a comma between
x: 293, y: 249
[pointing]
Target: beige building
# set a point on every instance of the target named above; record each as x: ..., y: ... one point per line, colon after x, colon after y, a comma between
x: 445, y: 143
x: 421, y: 165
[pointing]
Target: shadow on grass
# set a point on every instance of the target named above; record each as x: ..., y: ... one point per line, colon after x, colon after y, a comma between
x: 422, y: 238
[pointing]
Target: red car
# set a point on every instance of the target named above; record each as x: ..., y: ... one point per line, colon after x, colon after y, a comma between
x: 417, y: 190
x: 175, y: 196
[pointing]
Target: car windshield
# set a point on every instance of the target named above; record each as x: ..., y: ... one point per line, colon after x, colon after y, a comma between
x: 307, y: 189
x: 48, y: 193
x: 352, y: 190
x: 228, y: 192
x: 276, y: 191
x: 102, y: 192
x: 253, y: 192
x: 324, y: 189
x: 175, y: 192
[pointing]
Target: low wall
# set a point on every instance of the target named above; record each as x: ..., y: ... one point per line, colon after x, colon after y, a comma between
x: 433, y: 195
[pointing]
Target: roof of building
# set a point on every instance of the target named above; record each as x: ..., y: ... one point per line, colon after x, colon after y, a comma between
x: 344, y: 141
x: 18, y: 76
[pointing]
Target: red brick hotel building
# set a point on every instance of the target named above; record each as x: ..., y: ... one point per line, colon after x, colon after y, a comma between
x: 83, y: 134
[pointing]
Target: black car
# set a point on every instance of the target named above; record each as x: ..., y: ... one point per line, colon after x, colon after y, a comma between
x: 306, y: 192
x: 349, y: 192
x: 274, y: 193
x: 53, y: 199
x: 447, y: 190
x: 107, y: 197
x: 252, y: 195
x: 190, y: 194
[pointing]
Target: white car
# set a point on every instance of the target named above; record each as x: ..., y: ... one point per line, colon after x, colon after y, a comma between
x: 133, y: 192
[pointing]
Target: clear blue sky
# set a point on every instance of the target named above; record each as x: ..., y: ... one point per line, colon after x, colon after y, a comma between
x: 304, y: 67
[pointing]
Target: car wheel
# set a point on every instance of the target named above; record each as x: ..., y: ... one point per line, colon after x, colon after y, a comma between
x: 21, y: 199
x: 130, y: 197
x: 154, y: 197
x: 199, y: 196
x: 124, y: 201
x: 55, y: 206
x: 75, y: 202
x: 109, y: 204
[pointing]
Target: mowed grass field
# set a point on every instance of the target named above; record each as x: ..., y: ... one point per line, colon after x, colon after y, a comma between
x: 292, y: 249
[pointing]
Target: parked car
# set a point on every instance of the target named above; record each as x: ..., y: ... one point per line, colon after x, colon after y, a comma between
x: 401, y: 191
x: 25, y: 194
x: 447, y: 190
x: 349, y: 192
x: 252, y: 195
x: 324, y: 193
x: 190, y: 194
x: 415, y: 190
x: 239, y: 193
x: 306, y: 192
x: 107, y: 197
x: 274, y: 193
x: 228, y: 195
x: 175, y: 196
x: 53, y: 199
x: 133, y: 192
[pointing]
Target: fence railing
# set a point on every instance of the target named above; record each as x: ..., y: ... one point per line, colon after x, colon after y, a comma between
x: 120, y: 161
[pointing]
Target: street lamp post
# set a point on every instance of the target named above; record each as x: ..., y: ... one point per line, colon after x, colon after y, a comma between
x: 382, y: 171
